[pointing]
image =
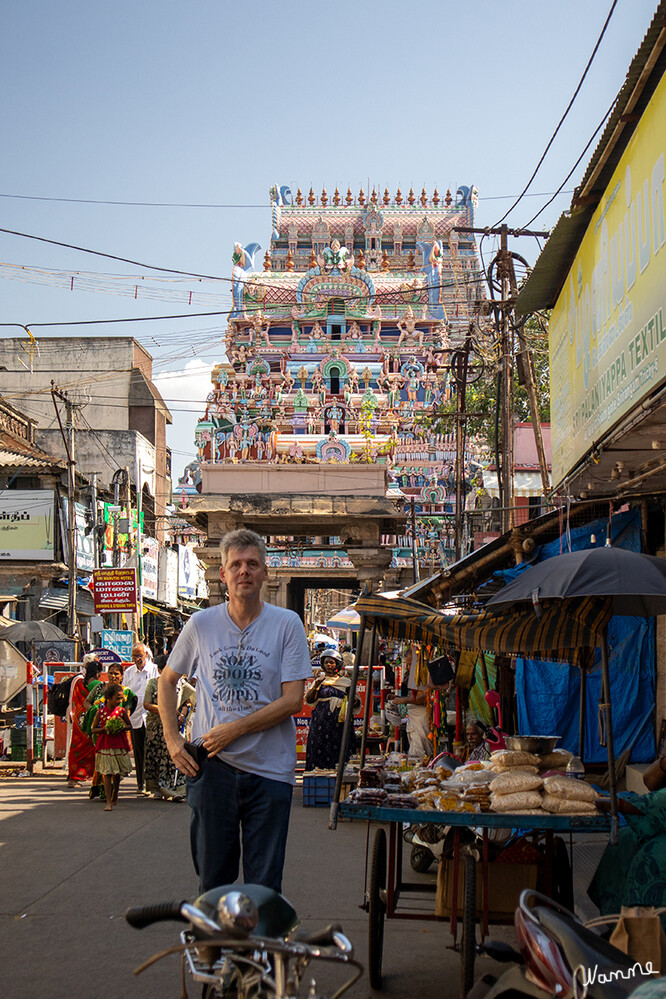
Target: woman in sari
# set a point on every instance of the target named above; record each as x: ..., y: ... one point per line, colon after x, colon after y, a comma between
x: 81, y: 756
x: 162, y: 778
x: 327, y: 695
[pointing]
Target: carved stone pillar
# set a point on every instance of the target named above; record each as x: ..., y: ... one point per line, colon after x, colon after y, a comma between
x: 370, y: 564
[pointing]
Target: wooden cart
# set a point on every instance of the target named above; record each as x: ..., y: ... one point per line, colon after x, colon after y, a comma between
x: 462, y: 901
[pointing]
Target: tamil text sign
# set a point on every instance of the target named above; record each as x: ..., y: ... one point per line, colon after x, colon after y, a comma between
x: 607, y: 331
x: 115, y: 591
x: 27, y: 524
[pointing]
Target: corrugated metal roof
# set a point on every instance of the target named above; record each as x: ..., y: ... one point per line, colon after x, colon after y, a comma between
x: 13, y: 460
x: 543, y: 287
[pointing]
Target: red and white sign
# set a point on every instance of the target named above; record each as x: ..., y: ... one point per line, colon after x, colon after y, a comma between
x: 115, y: 591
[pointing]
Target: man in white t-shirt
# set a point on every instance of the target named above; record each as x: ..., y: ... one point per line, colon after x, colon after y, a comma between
x: 136, y: 678
x: 251, y: 661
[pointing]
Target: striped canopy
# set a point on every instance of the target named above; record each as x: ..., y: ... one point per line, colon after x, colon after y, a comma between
x: 567, y: 633
x: 344, y: 620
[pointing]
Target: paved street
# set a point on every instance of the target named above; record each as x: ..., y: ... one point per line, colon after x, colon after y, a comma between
x: 69, y: 871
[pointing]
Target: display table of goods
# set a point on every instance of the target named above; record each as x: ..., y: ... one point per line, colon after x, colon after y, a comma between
x: 510, y: 783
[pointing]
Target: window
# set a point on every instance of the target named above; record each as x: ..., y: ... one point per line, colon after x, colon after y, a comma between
x: 335, y: 378
x: 336, y: 329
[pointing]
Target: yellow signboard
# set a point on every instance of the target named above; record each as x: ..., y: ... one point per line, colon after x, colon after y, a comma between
x: 26, y: 524
x: 607, y: 331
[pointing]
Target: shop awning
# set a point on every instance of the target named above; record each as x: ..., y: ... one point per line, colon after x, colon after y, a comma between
x: 149, y: 608
x: 556, y: 635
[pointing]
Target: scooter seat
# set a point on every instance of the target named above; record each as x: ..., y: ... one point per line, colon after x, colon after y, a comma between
x: 277, y: 917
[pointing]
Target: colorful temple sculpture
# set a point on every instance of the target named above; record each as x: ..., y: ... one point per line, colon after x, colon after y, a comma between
x: 338, y: 353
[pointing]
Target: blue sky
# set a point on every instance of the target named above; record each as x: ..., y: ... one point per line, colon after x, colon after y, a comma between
x: 208, y: 102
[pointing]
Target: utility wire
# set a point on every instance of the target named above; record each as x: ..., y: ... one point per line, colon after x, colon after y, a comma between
x: 179, y: 204
x: 561, y: 121
x: 111, y: 256
x: 589, y: 143
x: 380, y: 296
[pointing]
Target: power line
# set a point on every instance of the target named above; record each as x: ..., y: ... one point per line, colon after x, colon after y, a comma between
x: 587, y: 146
x: 112, y: 256
x: 561, y: 121
x: 380, y: 296
x: 213, y: 205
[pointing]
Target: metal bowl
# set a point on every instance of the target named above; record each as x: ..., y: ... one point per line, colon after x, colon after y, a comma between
x: 531, y: 743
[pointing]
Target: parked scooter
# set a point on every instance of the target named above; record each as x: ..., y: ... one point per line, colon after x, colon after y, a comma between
x: 558, y: 957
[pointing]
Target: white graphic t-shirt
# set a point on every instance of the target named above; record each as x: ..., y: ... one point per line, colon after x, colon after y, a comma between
x: 239, y: 672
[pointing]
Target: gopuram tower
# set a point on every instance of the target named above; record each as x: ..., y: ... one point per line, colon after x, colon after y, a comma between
x: 317, y: 431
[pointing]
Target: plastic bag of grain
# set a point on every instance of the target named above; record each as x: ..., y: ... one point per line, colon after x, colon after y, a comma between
x: 511, y: 782
x: 497, y: 769
x: 567, y: 806
x: 557, y: 760
x: 514, y: 758
x: 515, y: 802
x: 570, y: 788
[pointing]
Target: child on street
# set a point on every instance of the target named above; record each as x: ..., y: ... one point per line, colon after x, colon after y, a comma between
x: 112, y: 759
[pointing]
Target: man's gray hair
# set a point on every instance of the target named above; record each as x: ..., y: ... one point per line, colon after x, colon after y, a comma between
x: 241, y: 539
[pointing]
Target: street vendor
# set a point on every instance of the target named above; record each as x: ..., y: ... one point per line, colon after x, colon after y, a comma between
x: 329, y: 696
x: 475, y: 746
x: 633, y: 872
x: 418, y: 728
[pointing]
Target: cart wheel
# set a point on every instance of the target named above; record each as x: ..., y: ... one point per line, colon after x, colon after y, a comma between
x: 377, y: 909
x: 468, y: 942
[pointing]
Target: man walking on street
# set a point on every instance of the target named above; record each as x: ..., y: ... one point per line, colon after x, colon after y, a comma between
x: 136, y: 677
x: 251, y: 661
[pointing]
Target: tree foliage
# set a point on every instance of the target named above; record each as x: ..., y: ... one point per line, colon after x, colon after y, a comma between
x: 481, y: 396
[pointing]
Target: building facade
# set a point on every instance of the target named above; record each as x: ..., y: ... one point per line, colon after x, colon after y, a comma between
x: 119, y: 416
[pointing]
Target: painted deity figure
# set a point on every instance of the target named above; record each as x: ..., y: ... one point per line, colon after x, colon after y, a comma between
x: 317, y: 381
x: 239, y: 354
x: 294, y: 345
x: 442, y: 336
x: 259, y: 327
x: 336, y: 256
x: 317, y: 332
x: 407, y: 327
x: 334, y: 417
x: 378, y: 334
x: 354, y: 331
x: 412, y: 383
x: 288, y: 381
x: 394, y: 392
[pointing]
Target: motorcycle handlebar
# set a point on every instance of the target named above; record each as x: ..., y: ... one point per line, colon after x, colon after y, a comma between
x: 322, y: 938
x: 143, y: 915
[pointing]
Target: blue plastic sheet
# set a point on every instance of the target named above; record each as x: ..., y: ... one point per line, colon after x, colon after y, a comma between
x: 548, y: 694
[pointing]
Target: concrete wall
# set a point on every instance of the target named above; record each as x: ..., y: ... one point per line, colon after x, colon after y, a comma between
x: 327, y: 480
x: 94, y: 368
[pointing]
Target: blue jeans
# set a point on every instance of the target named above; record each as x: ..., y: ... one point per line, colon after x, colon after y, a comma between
x: 226, y: 803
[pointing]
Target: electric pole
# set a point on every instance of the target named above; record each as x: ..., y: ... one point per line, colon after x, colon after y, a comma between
x: 504, y: 261
x: 68, y: 440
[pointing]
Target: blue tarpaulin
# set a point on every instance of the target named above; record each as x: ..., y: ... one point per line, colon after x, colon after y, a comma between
x: 548, y: 693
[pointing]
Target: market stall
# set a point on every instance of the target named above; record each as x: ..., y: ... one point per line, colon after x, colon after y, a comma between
x: 546, y: 630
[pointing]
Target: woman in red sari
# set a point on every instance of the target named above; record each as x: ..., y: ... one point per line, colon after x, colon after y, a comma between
x: 81, y: 756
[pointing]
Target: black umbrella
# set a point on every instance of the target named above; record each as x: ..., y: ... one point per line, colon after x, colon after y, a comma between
x: 32, y: 631
x: 636, y: 584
